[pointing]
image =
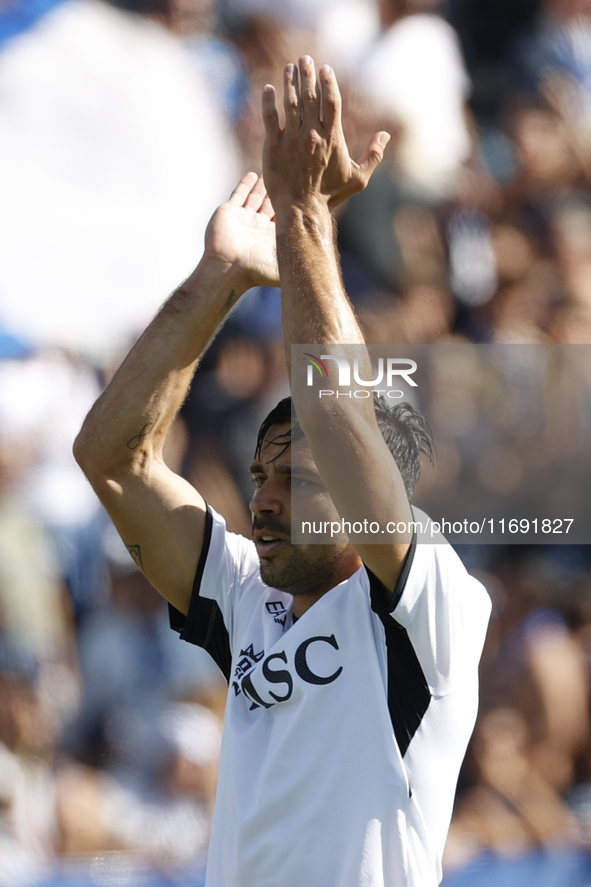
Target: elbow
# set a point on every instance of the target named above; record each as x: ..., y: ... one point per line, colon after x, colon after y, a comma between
x: 105, y: 461
x: 94, y: 455
x: 100, y: 475
x: 81, y: 448
x: 86, y: 452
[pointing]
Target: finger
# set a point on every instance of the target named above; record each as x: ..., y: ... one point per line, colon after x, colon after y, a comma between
x: 243, y: 189
x: 257, y: 194
x: 270, y: 115
x: 330, y: 98
x: 372, y: 156
x: 291, y: 98
x: 267, y: 208
x: 308, y: 92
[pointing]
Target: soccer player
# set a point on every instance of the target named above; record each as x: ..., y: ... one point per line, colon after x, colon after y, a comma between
x: 352, y: 667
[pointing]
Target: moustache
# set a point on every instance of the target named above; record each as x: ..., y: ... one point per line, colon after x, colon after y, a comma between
x: 274, y: 526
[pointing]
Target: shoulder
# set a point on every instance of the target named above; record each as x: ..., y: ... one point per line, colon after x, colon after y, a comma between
x: 438, y: 587
x: 437, y: 560
x: 232, y: 548
x: 228, y: 570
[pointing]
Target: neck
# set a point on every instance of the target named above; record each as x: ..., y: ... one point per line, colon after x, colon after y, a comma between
x: 303, y: 602
x: 345, y: 569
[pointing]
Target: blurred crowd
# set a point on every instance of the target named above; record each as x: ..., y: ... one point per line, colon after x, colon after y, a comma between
x: 122, y: 126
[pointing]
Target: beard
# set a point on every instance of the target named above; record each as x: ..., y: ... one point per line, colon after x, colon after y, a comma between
x: 307, y: 569
x: 305, y: 572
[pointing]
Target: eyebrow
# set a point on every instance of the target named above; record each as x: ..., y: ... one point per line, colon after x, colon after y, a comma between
x: 282, y: 468
x: 259, y: 468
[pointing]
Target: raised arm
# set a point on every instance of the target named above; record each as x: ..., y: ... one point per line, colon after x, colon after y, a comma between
x: 160, y: 516
x: 305, y: 165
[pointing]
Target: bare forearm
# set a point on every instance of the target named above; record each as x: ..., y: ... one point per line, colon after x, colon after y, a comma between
x: 315, y: 307
x: 134, y: 413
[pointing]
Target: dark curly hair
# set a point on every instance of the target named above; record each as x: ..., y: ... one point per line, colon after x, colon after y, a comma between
x: 406, y: 432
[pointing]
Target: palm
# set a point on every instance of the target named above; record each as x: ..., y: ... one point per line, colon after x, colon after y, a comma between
x: 241, y: 233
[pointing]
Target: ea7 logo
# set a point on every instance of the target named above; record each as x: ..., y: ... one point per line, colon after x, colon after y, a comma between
x: 395, y: 367
x: 278, y: 611
x: 271, y: 677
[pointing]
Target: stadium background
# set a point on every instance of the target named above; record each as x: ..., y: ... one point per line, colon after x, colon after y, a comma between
x: 121, y: 128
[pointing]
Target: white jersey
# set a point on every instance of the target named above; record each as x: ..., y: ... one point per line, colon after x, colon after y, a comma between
x: 344, y: 729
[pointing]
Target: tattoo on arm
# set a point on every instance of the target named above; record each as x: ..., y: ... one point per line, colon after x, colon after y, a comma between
x: 229, y: 303
x: 136, y: 554
x: 136, y: 441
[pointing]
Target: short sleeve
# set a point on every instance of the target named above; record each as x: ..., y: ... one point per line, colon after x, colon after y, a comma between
x: 227, y: 563
x: 445, y: 613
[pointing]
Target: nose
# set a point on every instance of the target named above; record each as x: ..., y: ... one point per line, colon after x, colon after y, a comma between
x: 266, y: 499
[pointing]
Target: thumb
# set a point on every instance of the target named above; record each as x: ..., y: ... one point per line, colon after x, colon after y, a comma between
x: 372, y: 155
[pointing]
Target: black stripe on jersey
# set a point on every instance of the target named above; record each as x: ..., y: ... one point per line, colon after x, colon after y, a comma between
x: 408, y: 691
x: 382, y: 600
x: 397, y: 593
x: 204, y: 624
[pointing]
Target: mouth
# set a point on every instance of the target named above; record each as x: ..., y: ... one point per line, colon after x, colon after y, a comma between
x: 267, y: 544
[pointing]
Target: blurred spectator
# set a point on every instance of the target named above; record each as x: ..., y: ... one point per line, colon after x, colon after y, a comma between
x: 169, y: 822
x: 43, y: 399
x: 512, y: 808
x: 113, y: 157
x: 166, y: 821
x: 532, y: 738
x: 555, y: 53
x: 414, y: 74
x: 28, y: 822
x: 127, y: 674
x: 540, y: 671
x: 336, y: 32
x: 486, y: 30
x: 548, y: 162
x: 571, y: 226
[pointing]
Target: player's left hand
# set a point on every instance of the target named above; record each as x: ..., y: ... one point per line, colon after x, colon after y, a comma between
x: 309, y: 157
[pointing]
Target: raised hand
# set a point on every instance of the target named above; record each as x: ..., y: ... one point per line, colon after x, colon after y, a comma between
x: 241, y: 233
x: 309, y: 157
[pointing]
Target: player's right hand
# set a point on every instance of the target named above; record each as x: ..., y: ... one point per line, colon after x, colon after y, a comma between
x: 241, y: 234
